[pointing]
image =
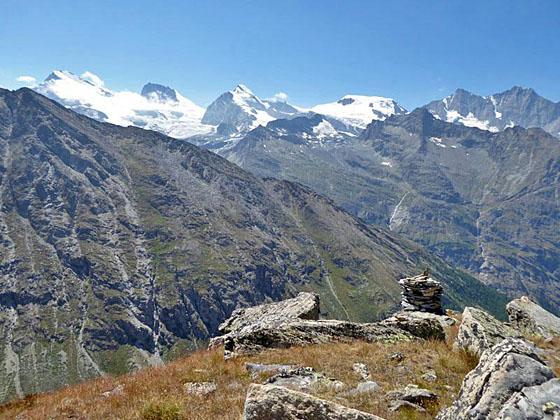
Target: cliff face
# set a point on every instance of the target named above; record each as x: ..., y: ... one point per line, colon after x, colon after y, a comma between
x: 122, y: 247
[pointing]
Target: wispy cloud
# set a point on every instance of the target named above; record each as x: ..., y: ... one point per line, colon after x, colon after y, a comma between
x: 28, y: 80
x: 280, y: 97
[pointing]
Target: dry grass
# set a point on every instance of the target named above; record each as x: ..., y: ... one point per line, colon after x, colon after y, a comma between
x: 157, y: 393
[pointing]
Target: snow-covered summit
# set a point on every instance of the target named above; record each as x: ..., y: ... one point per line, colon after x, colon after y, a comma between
x: 239, y: 110
x: 158, y: 107
x: 360, y: 110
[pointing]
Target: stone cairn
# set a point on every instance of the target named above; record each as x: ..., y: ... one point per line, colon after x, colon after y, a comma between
x: 421, y: 293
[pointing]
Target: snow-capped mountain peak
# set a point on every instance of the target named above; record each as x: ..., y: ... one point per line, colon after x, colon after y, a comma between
x: 360, y: 110
x: 158, y: 108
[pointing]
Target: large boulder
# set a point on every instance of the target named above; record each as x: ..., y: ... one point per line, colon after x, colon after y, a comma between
x: 502, y: 371
x: 304, y: 306
x: 531, y: 319
x: 420, y: 324
x: 256, y: 338
x: 480, y: 331
x: 534, y: 403
x: 270, y: 402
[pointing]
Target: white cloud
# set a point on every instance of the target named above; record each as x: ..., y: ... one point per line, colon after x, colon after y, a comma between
x: 280, y: 97
x: 28, y: 80
x: 93, y: 78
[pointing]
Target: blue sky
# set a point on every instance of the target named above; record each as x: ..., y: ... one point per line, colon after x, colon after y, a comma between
x: 314, y: 50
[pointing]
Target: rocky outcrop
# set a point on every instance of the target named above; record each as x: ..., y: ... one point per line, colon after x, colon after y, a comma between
x: 534, y: 403
x: 256, y: 338
x: 303, y: 306
x: 269, y: 402
x: 480, y: 331
x: 420, y: 324
x: 531, y: 319
x: 421, y: 293
x: 503, y: 370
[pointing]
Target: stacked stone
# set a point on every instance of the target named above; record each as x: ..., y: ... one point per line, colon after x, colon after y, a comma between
x: 421, y: 293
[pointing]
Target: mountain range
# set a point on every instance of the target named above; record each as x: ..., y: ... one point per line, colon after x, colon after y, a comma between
x: 236, y: 112
x: 122, y: 247
x: 484, y: 201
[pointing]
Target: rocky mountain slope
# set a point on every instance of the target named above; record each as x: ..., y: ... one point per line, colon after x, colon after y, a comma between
x: 487, y: 202
x: 122, y: 247
x: 515, y: 107
x: 301, y: 367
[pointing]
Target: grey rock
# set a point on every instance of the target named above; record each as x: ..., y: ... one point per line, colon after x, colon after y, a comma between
x: 480, y: 331
x: 303, y: 306
x: 420, y: 324
x: 362, y: 370
x: 532, y: 319
x: 534, y: 403
x: 256, y: 338
x: 365, y: 387
x: 200, y: 388
x: 301, y: 379
x: 397, y: 405
x: 430, y: 376
x: 413, y: 394
x: 503, y: 370
x: 255, y: 369
x: 270, y: 402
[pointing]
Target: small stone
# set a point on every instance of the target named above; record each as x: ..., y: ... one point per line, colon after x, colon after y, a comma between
x: 398, y: 404
x: 362, y: 370
x: 397, y: 357
x: 200, y: 388
x: 412, y: 393
x: 257, y: 368
x: 118, y: 390
x: 364, y: 388
x: 430, y: 376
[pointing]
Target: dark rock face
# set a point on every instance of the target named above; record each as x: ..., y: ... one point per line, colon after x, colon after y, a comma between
x: 120, y: 247
x: 160, y: 93
x: 517, y: 106
x: 503, y: 370
x: 483, y: 201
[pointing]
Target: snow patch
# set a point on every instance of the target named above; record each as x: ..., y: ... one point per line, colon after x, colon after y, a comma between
x: 359, y: 110
x: 324, y: 129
